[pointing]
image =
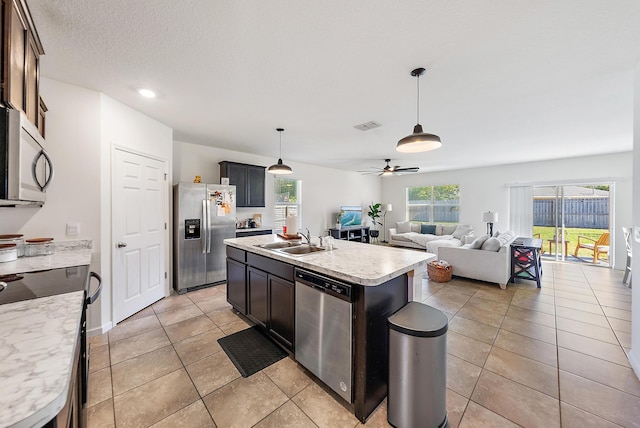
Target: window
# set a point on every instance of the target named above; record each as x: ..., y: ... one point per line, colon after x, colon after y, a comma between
x: 434, y: 204
x: 287, y: 201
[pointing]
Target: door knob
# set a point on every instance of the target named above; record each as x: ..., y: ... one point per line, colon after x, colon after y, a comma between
x: 121, y: 244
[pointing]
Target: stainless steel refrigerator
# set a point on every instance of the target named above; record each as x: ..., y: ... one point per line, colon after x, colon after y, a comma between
x: 204, y: 216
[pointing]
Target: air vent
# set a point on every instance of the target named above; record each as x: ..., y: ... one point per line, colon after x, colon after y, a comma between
x: 367, y: 126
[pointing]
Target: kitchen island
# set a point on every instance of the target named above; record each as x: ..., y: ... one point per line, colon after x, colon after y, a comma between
x: 266, y: 285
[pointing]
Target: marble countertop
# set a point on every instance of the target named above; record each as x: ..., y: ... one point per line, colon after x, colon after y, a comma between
x: 354, y: 262
x: 59, y: 259
x: 37, y: 343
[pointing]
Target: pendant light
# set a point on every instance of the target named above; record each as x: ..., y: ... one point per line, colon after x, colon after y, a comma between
x: 280, y: 168
x: 419, y: 141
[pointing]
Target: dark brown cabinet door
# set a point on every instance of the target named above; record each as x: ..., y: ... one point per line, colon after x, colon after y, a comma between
x: 281, y: 310
x: 16, y: 39
x: 255, y: 188
x: 258, y: 287
x: 31, y: 102
x: 237, y: 174
x: 237, y: 285
x: 22, y: 49
x: 249, y: 181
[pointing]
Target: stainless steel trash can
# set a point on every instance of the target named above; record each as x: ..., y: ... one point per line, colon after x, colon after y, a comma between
x: 417, y: 367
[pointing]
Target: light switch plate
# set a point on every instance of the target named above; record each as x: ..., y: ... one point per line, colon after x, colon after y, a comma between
x: 636, y: 233
x: 73, y: 229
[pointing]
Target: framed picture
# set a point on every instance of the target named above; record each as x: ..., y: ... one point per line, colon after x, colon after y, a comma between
x: 224, y: 180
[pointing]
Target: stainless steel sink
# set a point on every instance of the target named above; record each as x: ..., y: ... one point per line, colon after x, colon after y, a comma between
x: 301, y: 250
x: 277, y: 245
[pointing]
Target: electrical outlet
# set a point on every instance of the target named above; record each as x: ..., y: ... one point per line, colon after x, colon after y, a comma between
x: 73, y: 229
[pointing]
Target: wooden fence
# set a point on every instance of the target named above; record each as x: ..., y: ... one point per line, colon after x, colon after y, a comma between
x: 587, y: 213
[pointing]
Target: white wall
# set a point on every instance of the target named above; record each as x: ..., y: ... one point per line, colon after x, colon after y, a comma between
x: 324, y: 190
x: 125, y: 128
x: 83, y: 127
x: 634, y: 355
x: 73, y: 141
x: 484, y: 189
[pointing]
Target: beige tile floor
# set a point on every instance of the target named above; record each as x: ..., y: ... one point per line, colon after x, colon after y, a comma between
x: 517, y: 357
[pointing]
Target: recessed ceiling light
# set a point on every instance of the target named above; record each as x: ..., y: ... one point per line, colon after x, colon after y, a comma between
x: 147, y: 93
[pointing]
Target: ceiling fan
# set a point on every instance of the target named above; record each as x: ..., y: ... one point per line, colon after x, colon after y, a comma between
x: 390, y: 170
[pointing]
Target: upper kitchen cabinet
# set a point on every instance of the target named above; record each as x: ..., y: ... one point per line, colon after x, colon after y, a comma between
x: 249, y: 181
x: 21, y: 51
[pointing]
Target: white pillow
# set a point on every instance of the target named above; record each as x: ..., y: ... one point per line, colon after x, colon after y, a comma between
x: 477, y: 243
x: 415, y: 227
x: 403, y: 227
x: 491, y: 244
x: 462, y: 230
x: 448, y: 229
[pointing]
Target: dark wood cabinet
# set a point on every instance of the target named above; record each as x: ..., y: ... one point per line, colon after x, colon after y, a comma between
x: 236, y: 285
x: 21, y: 49
x: 249, y: 181
x: 258, y: 295
x: 268, y: 290
x: 237, y: 279
x: 282, y: 310
x: 255, y: 186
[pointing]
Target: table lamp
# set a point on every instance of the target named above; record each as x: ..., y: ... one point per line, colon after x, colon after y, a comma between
x: 489, y: 218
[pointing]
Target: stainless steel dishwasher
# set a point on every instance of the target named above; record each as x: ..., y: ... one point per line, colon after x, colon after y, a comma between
x: 324, y: 330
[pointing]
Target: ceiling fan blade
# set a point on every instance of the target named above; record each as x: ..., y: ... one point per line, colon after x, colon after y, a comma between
x: 408, y: 169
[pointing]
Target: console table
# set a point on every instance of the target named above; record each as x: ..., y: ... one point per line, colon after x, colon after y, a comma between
x: 525, y: 259
x: 351, y: 233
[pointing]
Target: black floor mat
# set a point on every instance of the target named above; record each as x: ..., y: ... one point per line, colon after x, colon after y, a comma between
x: 251, y: 351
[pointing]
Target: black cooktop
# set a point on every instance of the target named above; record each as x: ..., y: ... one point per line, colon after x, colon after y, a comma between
x: 32, y: 285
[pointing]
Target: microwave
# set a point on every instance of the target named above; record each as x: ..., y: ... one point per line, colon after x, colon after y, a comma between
x: 26, y: 169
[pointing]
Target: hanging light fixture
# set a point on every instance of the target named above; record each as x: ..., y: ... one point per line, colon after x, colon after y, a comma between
x: 280, y: 168
x: 419, y: 141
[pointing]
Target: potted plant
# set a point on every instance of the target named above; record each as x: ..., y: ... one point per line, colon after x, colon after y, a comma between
x: 339, y: 220
x: 374, y: 214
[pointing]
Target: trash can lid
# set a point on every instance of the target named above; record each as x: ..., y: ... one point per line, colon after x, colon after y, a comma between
x: 418, y: 319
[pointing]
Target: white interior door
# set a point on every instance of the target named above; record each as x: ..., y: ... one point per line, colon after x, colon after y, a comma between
x: 138, y: 233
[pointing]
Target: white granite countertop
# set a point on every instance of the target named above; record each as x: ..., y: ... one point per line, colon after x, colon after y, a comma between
x: 355, y: 262
x: 37, y: 343
x: 59, y: 259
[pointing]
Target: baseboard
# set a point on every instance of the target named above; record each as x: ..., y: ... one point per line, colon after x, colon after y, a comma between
x: 97, y: 331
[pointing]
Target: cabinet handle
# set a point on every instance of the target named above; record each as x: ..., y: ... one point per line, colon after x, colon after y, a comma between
x: 95, y: 295
x: 121, y: 244
x: 34, y: 167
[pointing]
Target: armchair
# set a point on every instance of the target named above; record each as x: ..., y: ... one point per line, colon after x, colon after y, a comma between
x: 598, y: 246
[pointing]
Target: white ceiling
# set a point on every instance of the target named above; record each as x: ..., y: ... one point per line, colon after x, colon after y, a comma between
x: 507, y: 81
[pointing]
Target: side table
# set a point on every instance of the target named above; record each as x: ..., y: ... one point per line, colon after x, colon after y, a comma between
x: 525, y: 259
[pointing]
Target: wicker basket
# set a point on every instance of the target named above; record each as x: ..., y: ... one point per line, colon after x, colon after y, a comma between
x: 439, y: 273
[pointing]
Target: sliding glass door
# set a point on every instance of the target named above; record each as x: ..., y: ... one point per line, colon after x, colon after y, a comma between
x: 573, y: 221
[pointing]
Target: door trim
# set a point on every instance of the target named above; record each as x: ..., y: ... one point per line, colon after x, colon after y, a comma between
x: 167, y: 219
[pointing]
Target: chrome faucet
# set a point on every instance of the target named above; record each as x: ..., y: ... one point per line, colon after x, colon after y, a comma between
x: 307, y: 236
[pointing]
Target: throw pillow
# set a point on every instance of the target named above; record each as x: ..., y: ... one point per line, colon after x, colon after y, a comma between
x: 462, y: 230
x: 448, y: 229
x: 403, y: 227
x: 491, y: 244
x: 477, y: 243
x: 415, y: 227
x: 428, y: 228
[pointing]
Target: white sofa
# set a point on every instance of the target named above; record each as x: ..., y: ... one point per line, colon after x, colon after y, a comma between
x: 483, y: 259
x: 405, y: 234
